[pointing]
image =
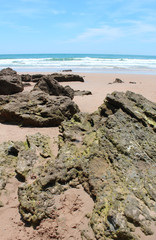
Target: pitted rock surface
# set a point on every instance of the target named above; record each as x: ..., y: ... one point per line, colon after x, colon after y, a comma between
x: 36, y: 109
x: 56, y: 76
x: 112, y: 153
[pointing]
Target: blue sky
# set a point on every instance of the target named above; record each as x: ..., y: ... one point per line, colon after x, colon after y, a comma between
x: 83, y: 26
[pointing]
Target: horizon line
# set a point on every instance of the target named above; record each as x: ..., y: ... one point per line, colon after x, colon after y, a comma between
x: 124, y: 54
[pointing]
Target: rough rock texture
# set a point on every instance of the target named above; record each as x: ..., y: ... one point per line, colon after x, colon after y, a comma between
x: 26, y: 78
x: 31, y: 78
x: 23, y: 159
x: 82, y: 93
x: 67, y: 77
x: 10, y: 82
x: 7, y: 71
x: 118, y: 80
x: 112, y: 154
x: 70, y: 211
x: 36, y: 109
x: 49, y: 85
x: 67, y: 70
x: 36, y: 77
x: 56, y: 76
x: 70, y: 91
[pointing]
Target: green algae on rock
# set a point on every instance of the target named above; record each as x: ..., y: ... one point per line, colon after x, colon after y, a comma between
x: 24, y: 159
x: 112, y: 154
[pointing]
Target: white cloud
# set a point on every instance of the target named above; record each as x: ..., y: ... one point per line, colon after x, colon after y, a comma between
x: 129, y: 30
x: 25, y: 11
x: 34, y: 1
x: 104, y: 32
x: 138, y: 28
x: 18, y: 27
x: 57, y: 12
x: 145, y: 27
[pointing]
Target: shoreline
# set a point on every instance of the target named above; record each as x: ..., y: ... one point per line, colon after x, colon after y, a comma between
x: 86, y: 71
x: 86, y: 62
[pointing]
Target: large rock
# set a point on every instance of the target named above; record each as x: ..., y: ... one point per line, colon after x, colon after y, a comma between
x: 67, y: 77
x: 8, y: 71
x: 49, y: 85
x: 112, y: 153
x: 36, y: 109
x: 10, y: 82
x: 37, y: 77
x: 56, y: 76
x: 26, y: 78
x: 31, y: 78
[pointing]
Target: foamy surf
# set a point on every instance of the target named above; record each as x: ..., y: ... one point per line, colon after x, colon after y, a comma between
x: 79, y: 62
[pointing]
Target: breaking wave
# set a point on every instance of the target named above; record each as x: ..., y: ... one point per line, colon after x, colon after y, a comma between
x: 78, y: 62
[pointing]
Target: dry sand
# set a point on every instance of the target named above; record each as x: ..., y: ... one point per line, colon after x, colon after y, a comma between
x: 99, y: 84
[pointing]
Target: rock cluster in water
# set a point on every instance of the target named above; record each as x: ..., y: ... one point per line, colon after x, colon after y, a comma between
x: 111, y: 153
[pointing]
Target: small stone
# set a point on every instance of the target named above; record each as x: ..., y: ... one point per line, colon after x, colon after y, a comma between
x: 1, y: 204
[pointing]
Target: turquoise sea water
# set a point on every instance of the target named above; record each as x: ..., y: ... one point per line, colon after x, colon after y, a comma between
x: 79, y: 63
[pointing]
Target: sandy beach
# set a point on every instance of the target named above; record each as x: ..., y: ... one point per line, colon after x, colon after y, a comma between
x: 100, y: 85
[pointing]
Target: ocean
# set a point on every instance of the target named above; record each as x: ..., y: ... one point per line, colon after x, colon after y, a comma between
x: 102, y: 63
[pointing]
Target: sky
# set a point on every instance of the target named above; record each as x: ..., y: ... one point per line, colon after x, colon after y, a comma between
x: 83, y: 26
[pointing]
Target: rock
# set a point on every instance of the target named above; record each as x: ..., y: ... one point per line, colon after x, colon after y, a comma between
x: 26, y: 78
x: 67, y: 77
x: 8, y: 161
x: 26, y: 84
x: 118, y: 80
x: 82, y: 93
x: 36, y: 109
x: 67, y: 70
x: 70, y: 91
x: 132, y: 82
x: 10, y: 82
x: 37, y: 77
x: 112, y: 154
x: 135, y: 105
x: 31, y: 78
x: 7, y: 71
x: 49, y: 85
x: 56, y: 76
x: 31, y: 157
x: 23, y: 159
x: 1, y: 204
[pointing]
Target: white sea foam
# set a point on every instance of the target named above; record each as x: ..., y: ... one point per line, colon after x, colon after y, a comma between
x: 85, y: 63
